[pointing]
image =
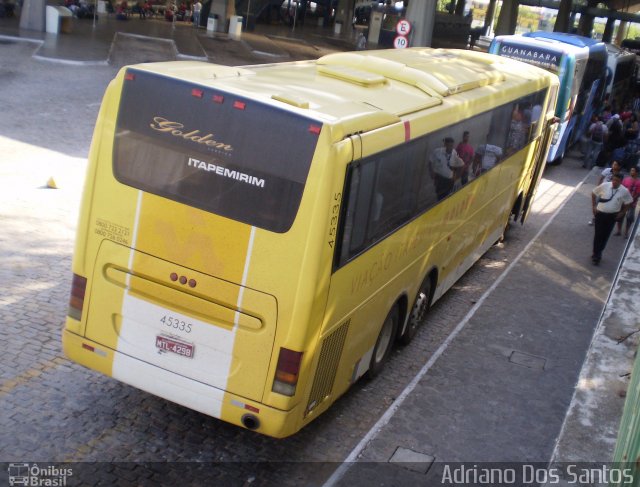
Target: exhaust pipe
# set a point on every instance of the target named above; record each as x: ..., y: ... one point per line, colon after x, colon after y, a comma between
x: 250, y: 421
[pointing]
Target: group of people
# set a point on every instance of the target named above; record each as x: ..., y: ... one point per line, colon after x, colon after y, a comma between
x: 613, y: 140
x: 80, y: 8
x: 144, y: 10
x: 182, y: 13
x: 613, y: 136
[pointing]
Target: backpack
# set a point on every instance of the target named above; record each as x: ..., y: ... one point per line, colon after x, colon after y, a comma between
x: 597, y: 134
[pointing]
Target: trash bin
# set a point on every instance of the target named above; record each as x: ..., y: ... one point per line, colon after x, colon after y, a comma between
x: 337, y: 27
x: 58, y: 19
x: 375, y: 26
x: 212, y: 23
x: 235, y: 27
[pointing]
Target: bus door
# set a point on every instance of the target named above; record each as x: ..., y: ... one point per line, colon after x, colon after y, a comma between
x: 540, y: 162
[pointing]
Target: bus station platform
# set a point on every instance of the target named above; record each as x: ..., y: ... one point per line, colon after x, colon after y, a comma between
x: 155, y: 39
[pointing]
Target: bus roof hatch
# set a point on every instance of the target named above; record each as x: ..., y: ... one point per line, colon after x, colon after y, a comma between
x: 434, y: 71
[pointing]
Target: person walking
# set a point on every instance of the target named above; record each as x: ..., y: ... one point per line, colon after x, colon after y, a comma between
x: 607, y: 175
x: 609, y: 201
x: 197, y: 7
x: 597, y: 133
x: 608, y: 172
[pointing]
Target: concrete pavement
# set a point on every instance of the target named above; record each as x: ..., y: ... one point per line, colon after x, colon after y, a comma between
x: 525, y: 384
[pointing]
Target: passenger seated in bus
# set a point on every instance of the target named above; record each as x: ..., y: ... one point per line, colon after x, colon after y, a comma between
x: 490, y: 156
x: 476, y: 166
x: 518, y: 130
x: 445, y: 166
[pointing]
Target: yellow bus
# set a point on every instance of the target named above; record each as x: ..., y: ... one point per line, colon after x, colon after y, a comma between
x: 253, y: 240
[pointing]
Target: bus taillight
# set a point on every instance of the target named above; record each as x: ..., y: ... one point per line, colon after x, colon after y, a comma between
x: 287, y: 372
x: 76, y: 301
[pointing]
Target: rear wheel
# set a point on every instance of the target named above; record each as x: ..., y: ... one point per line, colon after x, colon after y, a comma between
x: 418, y: 313
x: 384, y: 344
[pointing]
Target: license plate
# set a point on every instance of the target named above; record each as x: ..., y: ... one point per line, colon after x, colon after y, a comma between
x: 168, y: 344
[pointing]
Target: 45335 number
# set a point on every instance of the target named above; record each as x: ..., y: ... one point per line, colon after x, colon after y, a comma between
x: 176, y: 324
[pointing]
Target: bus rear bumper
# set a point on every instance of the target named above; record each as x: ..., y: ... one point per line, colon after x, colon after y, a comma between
x: 179, y: 389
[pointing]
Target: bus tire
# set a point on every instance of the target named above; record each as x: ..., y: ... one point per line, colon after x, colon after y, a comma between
x: 384, y: 343
x: 418, y: 312
x: 557, y: 161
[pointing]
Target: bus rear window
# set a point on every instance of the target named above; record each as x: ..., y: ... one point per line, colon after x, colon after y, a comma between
x: 212, y: 150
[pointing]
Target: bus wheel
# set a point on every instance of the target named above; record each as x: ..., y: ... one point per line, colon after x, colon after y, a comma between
x: 384, y: 344
x: 557, y: 161
x: 418, y: 312
x: 506, y: 228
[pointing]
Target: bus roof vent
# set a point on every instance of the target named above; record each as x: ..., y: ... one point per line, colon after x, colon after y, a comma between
x: 296, y: 101
x: 352, y: 75
x: 434, y: 71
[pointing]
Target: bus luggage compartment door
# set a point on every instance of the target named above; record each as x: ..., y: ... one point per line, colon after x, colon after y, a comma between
x: 192, y: 324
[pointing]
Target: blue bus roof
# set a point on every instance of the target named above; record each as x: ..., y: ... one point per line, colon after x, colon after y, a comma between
x: 572, y: 39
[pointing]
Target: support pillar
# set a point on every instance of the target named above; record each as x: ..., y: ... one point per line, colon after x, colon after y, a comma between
x: 622, y: 32
x: 422, y: 15
x: 564, y: 13
x: 488, y: 19
x: 344, y: 14
x: 585, y: 26
x: 32, y: 15
x: 508, y: 18
x: 608, y: 30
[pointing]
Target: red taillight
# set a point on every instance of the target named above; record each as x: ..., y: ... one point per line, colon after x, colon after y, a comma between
x: 314, y: 129
x: 240, y: 105
x: 287, y: 372
x: 76, y: 301
x: 197, y: 93
x: 129, y: 76
x: 218, y: 99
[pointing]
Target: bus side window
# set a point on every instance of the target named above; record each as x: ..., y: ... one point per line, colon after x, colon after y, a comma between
x: 391, y: 202
x: 500, y: 126
x: 359, y: 207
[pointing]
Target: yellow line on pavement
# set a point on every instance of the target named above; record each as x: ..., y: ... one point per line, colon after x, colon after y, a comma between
x: 28, y: 375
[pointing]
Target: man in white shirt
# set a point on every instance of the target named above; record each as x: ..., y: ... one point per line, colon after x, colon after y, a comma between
x: 197, y: 7
x: 445, y: 165
x: 609, y: 202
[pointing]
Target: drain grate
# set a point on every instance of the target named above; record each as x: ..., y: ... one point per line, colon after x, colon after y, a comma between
x: 412, y: 460
x: 526, y: 360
